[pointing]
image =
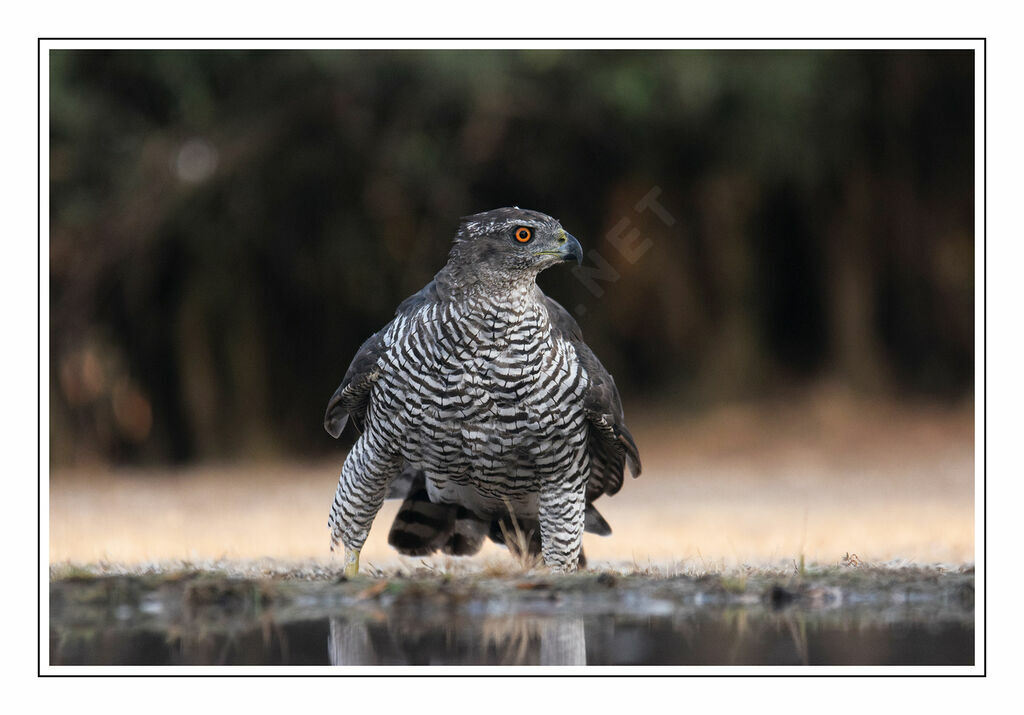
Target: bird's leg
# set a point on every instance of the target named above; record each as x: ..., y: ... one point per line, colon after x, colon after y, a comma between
x: 562, y: 510
x: 361, y: 490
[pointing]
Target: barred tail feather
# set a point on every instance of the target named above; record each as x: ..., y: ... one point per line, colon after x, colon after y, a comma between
x: 467, y: 535
x: 422, y: 527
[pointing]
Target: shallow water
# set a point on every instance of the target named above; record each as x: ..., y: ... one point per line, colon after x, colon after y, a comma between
x: 696, y: 640
x: 684, y: 623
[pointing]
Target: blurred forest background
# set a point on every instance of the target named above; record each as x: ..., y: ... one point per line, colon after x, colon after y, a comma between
x: 226, y: 227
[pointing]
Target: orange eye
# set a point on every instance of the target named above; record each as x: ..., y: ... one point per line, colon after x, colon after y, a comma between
x: 523, y: 234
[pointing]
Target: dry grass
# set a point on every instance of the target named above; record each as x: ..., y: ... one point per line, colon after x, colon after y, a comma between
x: 818, y: 479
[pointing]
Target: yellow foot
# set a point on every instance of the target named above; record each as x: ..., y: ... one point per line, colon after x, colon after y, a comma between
x: 351, y: 562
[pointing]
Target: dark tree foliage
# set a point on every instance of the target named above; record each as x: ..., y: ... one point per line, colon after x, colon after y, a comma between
x: 227, y: 227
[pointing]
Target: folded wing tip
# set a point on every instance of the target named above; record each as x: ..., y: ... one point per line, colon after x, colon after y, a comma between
x: 335, y: 424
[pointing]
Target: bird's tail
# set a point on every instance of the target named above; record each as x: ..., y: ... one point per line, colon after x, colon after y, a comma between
x: 423, y: 527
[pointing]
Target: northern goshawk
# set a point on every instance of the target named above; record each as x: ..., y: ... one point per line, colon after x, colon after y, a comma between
x: 482, y: 408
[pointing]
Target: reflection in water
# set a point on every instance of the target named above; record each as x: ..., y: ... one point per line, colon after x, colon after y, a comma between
x: 723, y: 637
x: 512, y: 640
x: 201, y: 621
x: 349, y: 643
x: 563, y: 642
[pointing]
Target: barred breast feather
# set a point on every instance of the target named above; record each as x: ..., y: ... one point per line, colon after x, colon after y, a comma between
x: 484, y: 399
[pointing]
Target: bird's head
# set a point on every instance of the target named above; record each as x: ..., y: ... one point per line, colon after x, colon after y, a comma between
x: 512, y: 244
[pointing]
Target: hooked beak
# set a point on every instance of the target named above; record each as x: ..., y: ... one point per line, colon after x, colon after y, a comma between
x: 571, y: 249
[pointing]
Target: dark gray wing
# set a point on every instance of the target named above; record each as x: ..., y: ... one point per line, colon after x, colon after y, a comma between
x: 353, y: 394
x: 611, y: 445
